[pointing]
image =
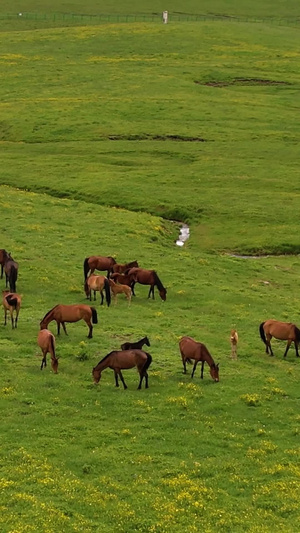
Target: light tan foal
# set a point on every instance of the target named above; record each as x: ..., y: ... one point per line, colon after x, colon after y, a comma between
x: 234, y: 338
x: 117, y: 288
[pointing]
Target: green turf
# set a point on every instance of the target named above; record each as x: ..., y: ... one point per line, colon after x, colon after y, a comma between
x: 109, y: 132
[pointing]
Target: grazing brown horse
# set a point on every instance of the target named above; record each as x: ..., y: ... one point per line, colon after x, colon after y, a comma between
x: 136, y: 345
x: 97, y: 283
x: 116, y: 289
x: 147, y: 277
x: 11, y: 272
x: 3, y: 257
x: 284, y: 331
x: 190, y: 349
x: 70, y: 313
x: 96, y: 262
x: 234, y: 338
x: 11, y: 302
x: 120, y: 360
x: 117, y: 267
x: 46, y: 342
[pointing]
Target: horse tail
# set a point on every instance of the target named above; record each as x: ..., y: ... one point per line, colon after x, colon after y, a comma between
x: 13, y: 276
x: 13, y: 302
x: 262, y: 332
x: 94, y: 315
x: 86, y: 267
x: 147, y: 363
x: 297, y: 333
x: 107, y: 292
x: 52, y: 345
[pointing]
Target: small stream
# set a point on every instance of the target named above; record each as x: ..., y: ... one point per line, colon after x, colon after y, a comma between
x: 183, y: 235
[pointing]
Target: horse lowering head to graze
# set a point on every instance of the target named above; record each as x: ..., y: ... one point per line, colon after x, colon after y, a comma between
x: 123, y: 359
x: 147, y: 277
x: 285, y: 331
x: 190, y: 349
x: 11, y: 302
x: 46, y: 342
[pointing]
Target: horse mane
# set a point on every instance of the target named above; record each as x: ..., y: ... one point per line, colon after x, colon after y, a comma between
x: 105, y: 357
x: 110, y: 257
x: 47, y: 314
x: 157, y: 281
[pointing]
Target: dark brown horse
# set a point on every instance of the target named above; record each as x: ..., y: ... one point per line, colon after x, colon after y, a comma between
x: 136, y: 345
x: 11, y: 272
x: 121, y: 268
x: 148, y: 277
x: 3, y: 257
x: 97, y: 283
x: 121, y: 360
x: 96, y: 262
x: 190, y: 349
x: 70, y: 313
x: 46, y: 342
x: 284, y: 331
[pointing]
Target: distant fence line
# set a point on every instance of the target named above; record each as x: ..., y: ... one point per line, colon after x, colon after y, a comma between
x: 172, y: 17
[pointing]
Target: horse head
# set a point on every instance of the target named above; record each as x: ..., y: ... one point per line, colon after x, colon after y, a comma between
x: 214, y: 372
x: 163, y: 294
x: 96, y: 375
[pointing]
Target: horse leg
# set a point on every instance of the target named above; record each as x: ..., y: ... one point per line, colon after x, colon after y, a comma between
x: 116, y: 378
x: 268, y: 344
x: 64, y: 327
x: 146, y: 380
x: 194, y: 368
x: 90, y: 335
x: 6, y: 280
x: 94, y: 296
x: 184, y: 363
x: 5, y: 313
x: 289, y: 342
x: 12, y: 318
x: 149, y: 294
x: 44, y: 360
x: 102, y: 297
x: 17, y: 316
x: 152, y: 287
x: 142, y: 374
x: 122, y: 379
x: 58, y: 328
x: 132, y: 287
x: 296, y: 348
x: 1, y: 271
x: 202, y: 369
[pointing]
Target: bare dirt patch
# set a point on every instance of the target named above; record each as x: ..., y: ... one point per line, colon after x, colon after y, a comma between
x: 148, y: 137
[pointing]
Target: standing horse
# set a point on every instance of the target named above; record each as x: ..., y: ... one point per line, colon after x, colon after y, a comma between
x: 284, y: 331
x: 116, y: 289
x: 46, y: 342
x: 96, y: 262
x: 11, y: 302
x: 147, y: 277
x: 11, y: 272
x: 123, y: 279
x: 136, y: 345
x: 70, y: 313
x: 234, y: 338
x: 97, y: 283
x: 121, y: 268
x: 190, y: 349
x: 121, y: 360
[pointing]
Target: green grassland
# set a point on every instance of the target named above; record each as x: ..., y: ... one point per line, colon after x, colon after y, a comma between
x: 108, y: 134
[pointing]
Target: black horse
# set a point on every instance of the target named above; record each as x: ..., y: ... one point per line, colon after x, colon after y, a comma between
x: 11, y: 272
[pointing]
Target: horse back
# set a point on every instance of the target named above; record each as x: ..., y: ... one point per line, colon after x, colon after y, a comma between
x: 280, y: 330
x: 45, y: 340
x: 190, y: 348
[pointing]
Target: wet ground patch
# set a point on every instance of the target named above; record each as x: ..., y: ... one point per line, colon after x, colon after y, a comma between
x: 241, y: 82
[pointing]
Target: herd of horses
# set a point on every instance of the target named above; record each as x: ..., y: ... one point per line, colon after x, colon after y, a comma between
x: 121, y: 278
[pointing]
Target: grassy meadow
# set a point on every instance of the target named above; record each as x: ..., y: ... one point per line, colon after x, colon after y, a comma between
x: 109, y: 134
